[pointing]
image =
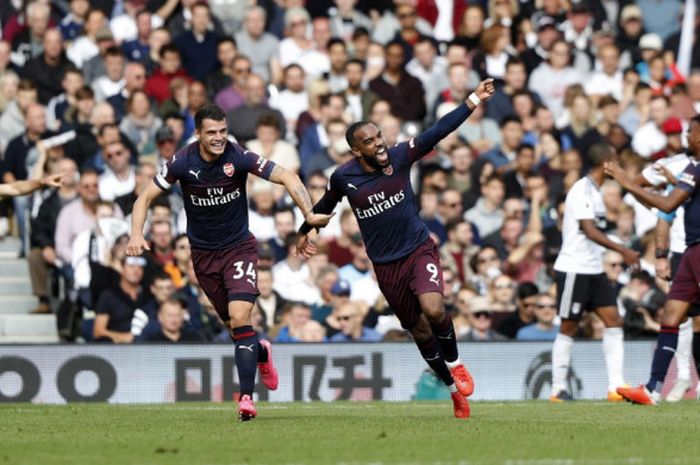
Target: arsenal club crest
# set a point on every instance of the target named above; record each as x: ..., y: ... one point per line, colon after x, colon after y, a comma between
x: 228, y: 169
x: 389, y: 170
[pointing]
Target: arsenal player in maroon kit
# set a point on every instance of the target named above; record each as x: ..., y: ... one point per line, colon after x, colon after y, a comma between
x: 213, y: 172
x: 406, y: 261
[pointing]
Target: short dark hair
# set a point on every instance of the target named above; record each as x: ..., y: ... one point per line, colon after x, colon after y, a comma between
x: 524, y: 146
x: 336, y: 41
x: 225, y: 39
x: 211, y: 111
x: 114, y: 51
x: 695, y: 119
x: 514, y: 61
x: 350, y: 133
x: 526, y: 289
x: 168, y: 48
x: 600, y: 153
x: 510, y: 119
x: 268, y: 120
x: 355, y: 61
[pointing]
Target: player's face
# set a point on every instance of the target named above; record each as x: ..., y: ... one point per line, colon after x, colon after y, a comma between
x: 694, y: 138
x: 371, y: 146
x: 212, y: 137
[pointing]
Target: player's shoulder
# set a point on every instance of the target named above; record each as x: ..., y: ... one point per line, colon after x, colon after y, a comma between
x: 185, y: 155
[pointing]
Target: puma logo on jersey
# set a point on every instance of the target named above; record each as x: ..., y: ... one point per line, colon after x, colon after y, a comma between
x: 249, y: 348
x: 351, y: 186
x: 195, y: 174
x: 435, y: 280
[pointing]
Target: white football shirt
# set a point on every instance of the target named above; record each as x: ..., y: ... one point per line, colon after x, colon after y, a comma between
x: 675, y: 164
x: 578, y: 253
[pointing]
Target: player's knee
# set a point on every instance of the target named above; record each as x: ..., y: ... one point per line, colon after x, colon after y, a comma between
x: 433, y: 309
x: 569, y: 328
x: 421, y: 332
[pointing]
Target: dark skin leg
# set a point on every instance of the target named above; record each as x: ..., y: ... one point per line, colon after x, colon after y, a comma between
x: 608, y: 315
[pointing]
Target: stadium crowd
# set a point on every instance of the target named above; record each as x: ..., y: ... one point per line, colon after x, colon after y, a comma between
x: 106, y: 91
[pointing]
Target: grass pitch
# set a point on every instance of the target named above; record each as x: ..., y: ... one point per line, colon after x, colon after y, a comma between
x: 351, y: 433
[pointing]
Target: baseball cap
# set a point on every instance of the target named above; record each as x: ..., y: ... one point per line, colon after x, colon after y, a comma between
x: 103, y: 33
x: 630, y: 11
x: 341, y: 287
x: 165, y: 133
x: 672, y: 126
x: 650, y: 41
x: 544, y: 22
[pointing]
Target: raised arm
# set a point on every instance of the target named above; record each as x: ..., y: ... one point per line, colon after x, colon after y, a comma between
x: 430, y: 137
x: 300, y: 196
x: 137, y: 242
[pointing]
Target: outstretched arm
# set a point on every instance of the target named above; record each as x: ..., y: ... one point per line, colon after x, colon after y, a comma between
x: 425, y: 142
x: 666, y: 203
x: 596, y: 235
x: 17, y: 188
x: 137, y: 243
x: 301, y: 197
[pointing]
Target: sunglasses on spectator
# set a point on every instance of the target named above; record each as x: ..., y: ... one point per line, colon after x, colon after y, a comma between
x: 482, y: 314
x: 503, y: 285
x: 241, y: 70
x: 546, y: 306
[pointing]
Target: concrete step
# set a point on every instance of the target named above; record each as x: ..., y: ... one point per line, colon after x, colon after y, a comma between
x: 15, y: 285
x: 29, y: 339
x: 10, y: 244
x: 15, y: 267
x: 17, y: 304
x: 28, y: 325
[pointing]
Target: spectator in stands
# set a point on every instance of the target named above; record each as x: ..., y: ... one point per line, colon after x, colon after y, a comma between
x: 158, y: 85
x: 526, y: 299
x: 547, y: 33
x: 171, y: 316
x: 338, y: 57
x: 350, y: 316
x: 77, y: 216
x: 487, y: 215
x: 482, y: 134
x: 243, y: 119
x: 113, y: 81
x: 42, y: 256
x: 94, y: 67
x: 140, y: 124
x: 119, y: 177
x: 270, y: 302
x: 115, y: 307
x: 649, y: 138
x: 134, y: 80
x: 360, y: 266
x: 145, y: 322
x: 221, y: 77
x: 85, y: 46
x: 72, y: 23
x: 284, y: 226
x: 315, y: 137
x: 293, y: 99
x: 46, y: 70
x: 294, y: 318
x: 480, y: 323
x: 335, y: 154
x: 608, y: 80
x: 198, y: 45
x: 394, y: 83
x: 232, y: 96
x: 544, y: 328
x: 491, y: 60
x: 551, y: 78
x: 137, y: 48
x: 269, y: 144
x: 29, y: 43
x: 254, y: 42
x: 12, y: 121
x: 503, y: 156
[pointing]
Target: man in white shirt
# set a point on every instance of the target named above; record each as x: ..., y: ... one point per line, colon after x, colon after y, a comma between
x: 607, y: 80
x: 649, y: 138
x: 119, y: 177
x: 581, y: 280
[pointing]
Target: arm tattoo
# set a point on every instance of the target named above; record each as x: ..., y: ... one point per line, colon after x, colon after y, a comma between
x: 276, y: 175
x: 302, y: 199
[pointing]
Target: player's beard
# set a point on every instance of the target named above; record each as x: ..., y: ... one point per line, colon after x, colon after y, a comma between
x: 372, y: 161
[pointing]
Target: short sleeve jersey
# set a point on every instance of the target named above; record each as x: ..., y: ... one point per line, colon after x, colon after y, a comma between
x: 688, y: 181
x: 578, y: 253
x: 383, y: 203
x: 214, y: 192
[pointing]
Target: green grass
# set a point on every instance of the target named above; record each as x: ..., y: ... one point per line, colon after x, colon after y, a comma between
x: 351, y: 433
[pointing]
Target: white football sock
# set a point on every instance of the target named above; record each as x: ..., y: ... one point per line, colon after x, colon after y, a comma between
x: 613, y: 349
x: 453, y: 364
x: 685, y: 343
x: 561, y: 357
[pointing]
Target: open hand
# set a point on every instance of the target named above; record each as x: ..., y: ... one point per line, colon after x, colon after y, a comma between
x: 666, y: 173
x: 614, y: 170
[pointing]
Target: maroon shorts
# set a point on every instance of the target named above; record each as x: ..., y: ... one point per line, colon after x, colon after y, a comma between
x: 404, y: 280
x: 687, y: 278
x: 229, y: 274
